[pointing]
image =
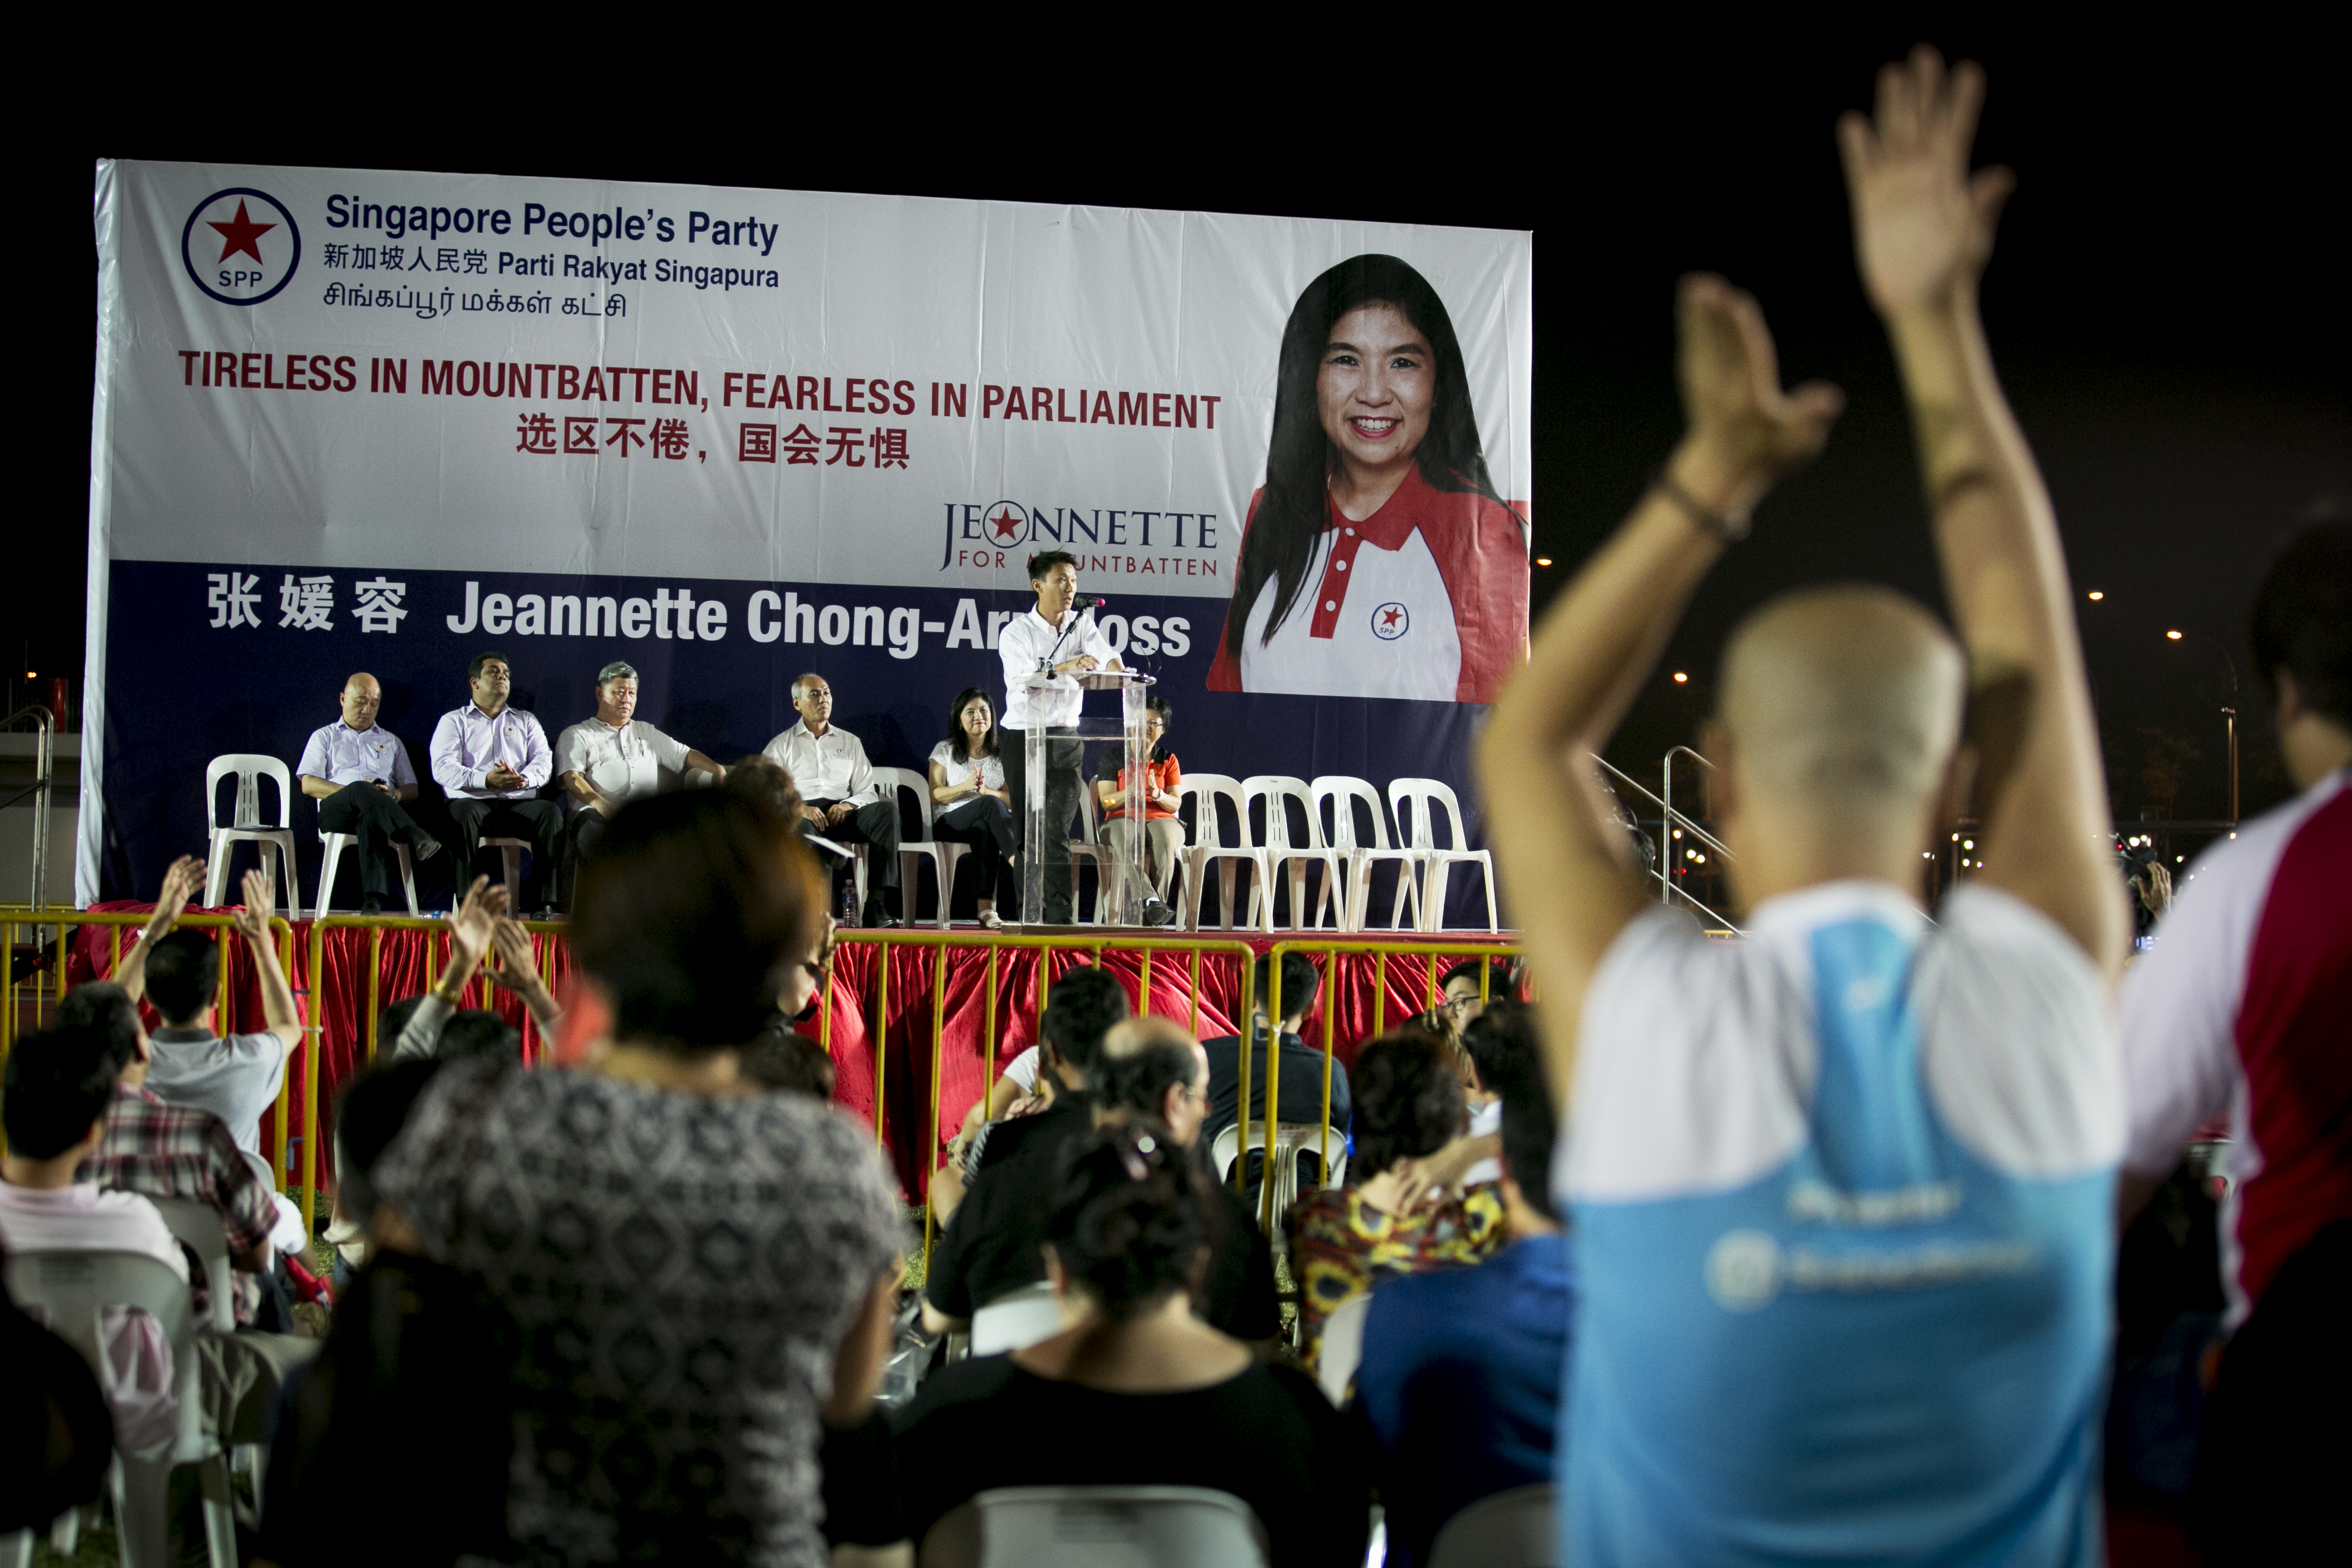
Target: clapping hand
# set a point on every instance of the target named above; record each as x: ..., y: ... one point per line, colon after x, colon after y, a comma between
x: 1745, y: 432
x: 500, y: 776
x: 471, y: 930
x: 180, y: 884
x: 253, y: 917
x: 1923, y: 227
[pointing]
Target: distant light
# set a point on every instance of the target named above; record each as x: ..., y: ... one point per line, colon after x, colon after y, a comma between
x: 1956, y: 839
x: 1678, y: 832
x: 1968, y: 843
x: 2097, y: 595
x: 1927, y: 854
x: 1681, y: 677
x: 2174, y: 637
x: 1543, y: 560
x: 2177, y: 859
x: 32, y: 675
x: 1701, y: 859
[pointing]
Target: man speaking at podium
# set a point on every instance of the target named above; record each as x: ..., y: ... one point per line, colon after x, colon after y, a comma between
x: 1059, y: 636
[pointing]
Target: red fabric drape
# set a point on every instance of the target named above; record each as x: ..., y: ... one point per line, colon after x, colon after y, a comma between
x: 859, y: 1012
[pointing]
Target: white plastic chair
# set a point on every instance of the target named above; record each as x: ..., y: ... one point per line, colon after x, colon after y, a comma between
x: 1293, y: 1141
x: 510, y: 854
x: 1425, y: 795
x: 196, y: 1226
x: 246, y: 826
x: 1017, y: 1320
x: 1514, y: 1529
x: 941, y: 854
x: 1098, y: 1527
x: 1092, y: 848
x: 1207, y: 845
x: 1342, y: 792
x: 68, y: 1290
x: 1277, y: 790
x: 1343, y: 1347
x: 333, y: 846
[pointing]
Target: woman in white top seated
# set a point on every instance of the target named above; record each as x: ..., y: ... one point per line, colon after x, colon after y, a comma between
x: 968, y: 796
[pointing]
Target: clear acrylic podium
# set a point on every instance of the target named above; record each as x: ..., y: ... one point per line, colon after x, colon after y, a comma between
x: 1036, y: 832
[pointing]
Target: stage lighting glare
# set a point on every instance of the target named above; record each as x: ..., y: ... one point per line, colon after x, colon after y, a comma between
x: 1681, y: 677
x: 1543, y: 560
x: 2172, y: 636
x: 2097, y: 595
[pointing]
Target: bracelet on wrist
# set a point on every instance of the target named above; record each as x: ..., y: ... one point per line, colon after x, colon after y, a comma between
x: 1726, y: 528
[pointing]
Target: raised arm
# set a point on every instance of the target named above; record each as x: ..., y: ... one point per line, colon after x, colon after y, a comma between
x: 1923, y: 232
x: 279, y: 1013
x: 181, y: 880
x: 1573, y: 884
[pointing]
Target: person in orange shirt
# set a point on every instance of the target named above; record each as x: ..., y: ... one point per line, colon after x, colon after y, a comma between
x: 1163, y: 836
x: 1379, y: 558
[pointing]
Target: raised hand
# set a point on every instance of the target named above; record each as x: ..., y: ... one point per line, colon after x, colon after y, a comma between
x: 181, y: 881
x: 471, y: 929
x: 1923, y: 226
x: 1745, y: 432
x: 253, y: 917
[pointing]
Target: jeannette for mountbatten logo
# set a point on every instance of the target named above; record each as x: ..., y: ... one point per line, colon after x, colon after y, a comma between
x: 1004, y: 534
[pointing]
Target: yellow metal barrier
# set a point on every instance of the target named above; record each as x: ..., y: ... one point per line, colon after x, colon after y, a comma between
x: 63, y: 919
x: 1430, y: 953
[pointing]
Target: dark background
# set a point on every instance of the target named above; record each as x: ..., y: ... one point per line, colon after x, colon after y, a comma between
x: 2167, y: 304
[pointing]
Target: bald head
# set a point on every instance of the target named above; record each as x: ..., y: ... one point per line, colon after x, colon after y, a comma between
x: 360, y: 700
x: 1842, y: 700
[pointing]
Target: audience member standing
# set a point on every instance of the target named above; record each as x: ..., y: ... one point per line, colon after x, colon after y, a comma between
x: 1462, y: 1368
x: 608, y: 759
x: 1842, y: 1191
x: 697, y: 1271
x: 2244, y: 1006
x: 359, y: 774
x: 969, y: 799
x: 843, y: 803
x: 493, y: 760
x: 1139, y: 1391
x: 1384, y: 1223
x: 234, y: 1077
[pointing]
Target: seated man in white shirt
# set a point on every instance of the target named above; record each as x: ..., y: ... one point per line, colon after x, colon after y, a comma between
x: 359, y: 774
x: 1058, y: 639
x: 608, y: 761
x: 1842, y: 1190
x: 491, y: 761
x: 178, y: 972
x: 839, y: 795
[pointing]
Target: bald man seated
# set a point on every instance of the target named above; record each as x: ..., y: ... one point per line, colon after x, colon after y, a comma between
x: 359, y: 774
x: 1842, y: 1189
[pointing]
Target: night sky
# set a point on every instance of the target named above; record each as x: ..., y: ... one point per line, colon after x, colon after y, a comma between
x: 2166, y: 303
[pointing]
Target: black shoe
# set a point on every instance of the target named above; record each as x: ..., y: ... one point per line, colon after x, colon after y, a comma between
x: 423, y: 845
x: 876, y: 918
x: 371, y: 905
x: 1156, y: 914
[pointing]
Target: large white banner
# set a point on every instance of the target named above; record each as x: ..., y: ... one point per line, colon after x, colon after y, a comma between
x: 339, y: 410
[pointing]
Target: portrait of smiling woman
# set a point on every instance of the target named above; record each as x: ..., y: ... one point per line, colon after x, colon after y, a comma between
x: 1379, y: 560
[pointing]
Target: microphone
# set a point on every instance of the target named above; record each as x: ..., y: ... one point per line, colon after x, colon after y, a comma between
x: 1101, y: 603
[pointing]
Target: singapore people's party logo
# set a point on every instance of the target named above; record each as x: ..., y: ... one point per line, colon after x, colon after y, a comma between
x: 240, y: 246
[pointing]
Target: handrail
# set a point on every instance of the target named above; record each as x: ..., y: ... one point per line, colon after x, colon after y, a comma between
x: 1669, y: 890
x: 44, y: 767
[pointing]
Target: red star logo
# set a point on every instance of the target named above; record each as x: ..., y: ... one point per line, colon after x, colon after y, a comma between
x: 240, y: 233
x: 1005, y: 526
x: 1389, y: 617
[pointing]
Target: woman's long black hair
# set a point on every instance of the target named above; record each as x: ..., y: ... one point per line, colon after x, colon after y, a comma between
x: 957, y: 742
x: 1297, y: 505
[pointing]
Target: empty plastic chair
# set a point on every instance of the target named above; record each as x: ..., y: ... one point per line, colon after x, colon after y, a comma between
x: 1098, y: 1527
x: 942, y: 854
x: 1343, y: 793
x: 1516, y: 1529
x: 245, y: 825
x: 1425, y: 796
x: 1208, y: 846
x: 1279, y: 791
x: 68, y: 1291
x: 333, y: 846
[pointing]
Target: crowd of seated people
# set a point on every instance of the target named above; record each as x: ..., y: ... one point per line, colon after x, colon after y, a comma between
x: 1796, y: 1247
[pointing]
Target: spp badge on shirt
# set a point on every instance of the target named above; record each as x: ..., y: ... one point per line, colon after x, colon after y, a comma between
x: 1390, y: 621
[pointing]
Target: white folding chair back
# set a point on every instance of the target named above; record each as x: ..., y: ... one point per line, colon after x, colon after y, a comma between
x: 196, y: 1224
x: 1278, y: 792
x: 1427, y: 796
x: 68, y: 1290
x: 1016, y: 1320
x: 245, y: 825
x: 1209, y: 846
x: 1225, y: 1149
x: 1293, y: 1141
x: 1343, y: 793
x: 1098, y: 1527
x: 333, y: 846
x: 1517, y: 1529
x: 1343, y: 1347
x: 942, y: 856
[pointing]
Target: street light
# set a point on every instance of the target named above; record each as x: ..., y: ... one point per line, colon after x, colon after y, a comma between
x: 2228, y: 713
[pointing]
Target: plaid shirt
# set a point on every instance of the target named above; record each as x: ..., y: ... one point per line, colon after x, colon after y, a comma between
x: 177, y: 1152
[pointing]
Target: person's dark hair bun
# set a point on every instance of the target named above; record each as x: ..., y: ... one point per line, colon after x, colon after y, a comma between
x: 1128, y: 1222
